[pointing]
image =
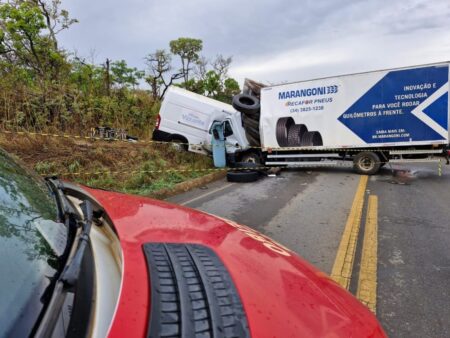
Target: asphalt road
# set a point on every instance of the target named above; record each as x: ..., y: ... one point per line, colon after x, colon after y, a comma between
x: 307, y: 211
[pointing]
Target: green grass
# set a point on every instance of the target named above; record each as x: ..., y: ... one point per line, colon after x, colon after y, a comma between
x: 145, y: 182
x: 140, y: 169
x: 45, y: 167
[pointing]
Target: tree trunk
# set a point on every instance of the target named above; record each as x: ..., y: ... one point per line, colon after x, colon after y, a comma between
x: 108, y: 79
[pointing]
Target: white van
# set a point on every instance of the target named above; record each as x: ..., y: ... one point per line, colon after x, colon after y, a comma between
x: 186, y: 118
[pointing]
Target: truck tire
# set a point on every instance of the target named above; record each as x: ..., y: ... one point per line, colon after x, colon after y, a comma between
x: 252, y: 131
x: 282, y: 129
x: 250, y: 122
x: 252, y: 139
x: 246, y: 104
x: 246, y: 165
x: 311, y: 138
x: 366, y: 163
x: 295, y: 134
x: 242, y: 176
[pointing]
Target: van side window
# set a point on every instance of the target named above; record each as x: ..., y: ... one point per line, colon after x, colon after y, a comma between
x: 227, y: 130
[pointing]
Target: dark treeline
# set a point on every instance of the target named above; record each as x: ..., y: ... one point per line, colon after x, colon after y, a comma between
x: 44, y: 86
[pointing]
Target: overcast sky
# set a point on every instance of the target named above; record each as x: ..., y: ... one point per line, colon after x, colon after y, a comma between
x: 270, y: 40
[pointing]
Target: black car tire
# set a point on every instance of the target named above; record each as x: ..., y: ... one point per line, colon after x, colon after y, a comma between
x: 311, y: 138
x: 295, y: 134
x: 282, y: 129
x: 366, y: 163
x: 244, y: 176
x: 246, y: 104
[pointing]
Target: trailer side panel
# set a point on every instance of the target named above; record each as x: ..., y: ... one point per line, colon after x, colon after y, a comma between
x: 400, y: 107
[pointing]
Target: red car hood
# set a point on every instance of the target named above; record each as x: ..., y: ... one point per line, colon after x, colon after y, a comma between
x: 282, y: 295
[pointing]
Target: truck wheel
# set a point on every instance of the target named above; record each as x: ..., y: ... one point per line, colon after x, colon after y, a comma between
x: 246, y: 104
x: 283, y: 126
x: 251, y: 157
x: 242, y: 176
x: 311, y: 138
x: 295, y: 134
x: 366, y: 163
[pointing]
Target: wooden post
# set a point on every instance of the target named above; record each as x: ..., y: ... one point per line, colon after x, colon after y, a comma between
x: 108, y: 79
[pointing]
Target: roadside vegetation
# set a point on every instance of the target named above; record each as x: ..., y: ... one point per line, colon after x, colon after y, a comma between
x: 44, y: 87
x: 80, y: 160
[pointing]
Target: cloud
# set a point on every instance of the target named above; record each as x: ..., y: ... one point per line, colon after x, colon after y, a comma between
x: 272, y: 41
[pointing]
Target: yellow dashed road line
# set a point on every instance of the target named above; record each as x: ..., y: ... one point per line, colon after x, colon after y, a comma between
x: 367, y: 283
x: 343, y: 264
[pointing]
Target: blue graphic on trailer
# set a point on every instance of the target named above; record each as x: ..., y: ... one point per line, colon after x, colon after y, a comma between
x: 437, y: 109
x: 385, y: 113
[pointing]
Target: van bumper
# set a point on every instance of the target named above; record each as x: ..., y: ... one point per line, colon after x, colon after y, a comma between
x: 159, y: 135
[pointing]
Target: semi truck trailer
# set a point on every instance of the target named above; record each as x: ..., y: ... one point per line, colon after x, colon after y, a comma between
x: 372, y: 118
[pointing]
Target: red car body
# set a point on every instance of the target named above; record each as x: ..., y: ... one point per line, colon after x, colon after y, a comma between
x: 282, y: 295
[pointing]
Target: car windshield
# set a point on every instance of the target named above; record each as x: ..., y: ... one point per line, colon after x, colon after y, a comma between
x: 31, y: 242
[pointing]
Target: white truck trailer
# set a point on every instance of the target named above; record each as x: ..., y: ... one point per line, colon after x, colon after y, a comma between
x: 395, y: 115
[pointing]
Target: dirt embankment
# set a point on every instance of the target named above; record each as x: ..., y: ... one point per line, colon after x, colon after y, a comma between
x: 134, y: 164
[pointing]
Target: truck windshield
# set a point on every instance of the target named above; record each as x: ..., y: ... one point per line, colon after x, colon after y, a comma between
x: 31, y: 242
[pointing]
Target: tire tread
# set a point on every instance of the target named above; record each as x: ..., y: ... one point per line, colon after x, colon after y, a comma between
x: 192, y: 293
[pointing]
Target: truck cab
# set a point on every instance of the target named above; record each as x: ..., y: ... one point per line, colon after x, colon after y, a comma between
x: 187, y: 118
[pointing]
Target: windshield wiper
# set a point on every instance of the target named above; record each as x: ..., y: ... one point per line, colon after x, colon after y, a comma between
x: 64, y: 206
x: 69, y: 276
x: 67, y: 215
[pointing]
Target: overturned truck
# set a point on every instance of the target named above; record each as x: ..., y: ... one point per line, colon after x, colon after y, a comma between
x: 373, y: 118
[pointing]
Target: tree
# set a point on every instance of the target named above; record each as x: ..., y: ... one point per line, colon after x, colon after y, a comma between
x: 159, y: 63
x: 29, y: 54
x: 201, y: 68
x: 188, y: 50
x: 221, y: 65
x: 28, y: 32
x: 231, y: 87
x: 125, y: 76
x: 56, y: 19
x: 212, y: 84
x: 20, y: 29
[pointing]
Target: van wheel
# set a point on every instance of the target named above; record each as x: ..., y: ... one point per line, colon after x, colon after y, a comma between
x: 246, y: 104
x: 366, y: 163
x: 179, y: 145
